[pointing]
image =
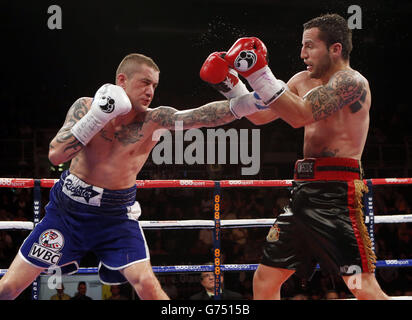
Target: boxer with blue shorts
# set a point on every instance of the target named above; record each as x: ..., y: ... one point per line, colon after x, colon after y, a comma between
x: 107, y: 140
x: 81, y: 218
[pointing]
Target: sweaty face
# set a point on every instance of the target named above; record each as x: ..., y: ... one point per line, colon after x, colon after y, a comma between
x: 140, y: 87
x: 315, y: 54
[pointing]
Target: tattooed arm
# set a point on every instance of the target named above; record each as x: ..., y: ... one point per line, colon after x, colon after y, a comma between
x: 345, y: 88
x: 64, y: 145
x: 210, y: 115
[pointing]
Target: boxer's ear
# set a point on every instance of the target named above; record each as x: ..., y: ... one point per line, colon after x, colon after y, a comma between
x: 336, y: 49
x: 121, y: 79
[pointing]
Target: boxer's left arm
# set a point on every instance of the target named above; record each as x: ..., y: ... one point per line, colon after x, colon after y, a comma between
x: 344, y: 88
x: 209, y: 115
x: 212, y: 114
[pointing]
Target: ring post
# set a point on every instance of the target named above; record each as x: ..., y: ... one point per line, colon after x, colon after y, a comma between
x: 36, y: 220
x: 216, y: 239
x: 368, y: 208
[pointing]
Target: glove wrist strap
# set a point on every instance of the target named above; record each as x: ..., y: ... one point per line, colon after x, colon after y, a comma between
x: 265, y: 84
x: 245, y: 105
x: 86, y: 128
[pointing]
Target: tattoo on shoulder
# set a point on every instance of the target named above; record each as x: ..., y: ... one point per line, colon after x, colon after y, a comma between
x: 345, y: 87
x: 357, y: 105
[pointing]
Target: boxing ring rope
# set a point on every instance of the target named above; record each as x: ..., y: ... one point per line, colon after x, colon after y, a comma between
x: 216, y: 224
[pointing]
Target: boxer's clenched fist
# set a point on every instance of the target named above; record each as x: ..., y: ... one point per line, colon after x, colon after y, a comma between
x: 215, y: 71
x: 248, y: 56
x: 109, y: 102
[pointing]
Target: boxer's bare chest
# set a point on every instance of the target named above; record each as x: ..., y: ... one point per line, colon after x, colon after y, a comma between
x: 124, y: 141
x: 123, y: 134
x: 342, y: 134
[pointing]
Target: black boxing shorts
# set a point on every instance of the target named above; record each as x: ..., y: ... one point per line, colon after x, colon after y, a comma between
x: 324, y: 224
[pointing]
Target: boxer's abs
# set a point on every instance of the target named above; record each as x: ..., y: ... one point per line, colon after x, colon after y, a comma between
x: 342, y: 135
x: 111, y: 168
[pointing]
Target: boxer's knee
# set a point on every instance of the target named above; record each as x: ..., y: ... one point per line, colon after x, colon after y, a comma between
x: 147, y: 286
x: 8, y: 290
x: 144, y: 281
x: 267, y: 282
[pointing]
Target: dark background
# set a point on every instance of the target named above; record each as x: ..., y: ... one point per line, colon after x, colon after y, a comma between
x: 38, y: 63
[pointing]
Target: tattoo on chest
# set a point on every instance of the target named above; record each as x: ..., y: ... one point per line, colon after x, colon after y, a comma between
x: 127, y: 134
x: 344, y: 88
x: 327, y: 153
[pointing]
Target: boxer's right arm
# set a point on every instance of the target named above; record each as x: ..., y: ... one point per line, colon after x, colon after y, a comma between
x: 82, y: 124
x: 109, y: 102
x: 263, y: 117
x: 64, y: 145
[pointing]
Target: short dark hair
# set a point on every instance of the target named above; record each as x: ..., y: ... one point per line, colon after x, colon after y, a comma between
x: 130, y: 63
x: 333, y: 29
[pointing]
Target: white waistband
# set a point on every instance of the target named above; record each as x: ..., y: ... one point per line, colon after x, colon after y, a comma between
x: 82, y: 192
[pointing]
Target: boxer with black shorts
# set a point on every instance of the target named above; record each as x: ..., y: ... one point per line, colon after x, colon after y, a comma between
x: 324, y: 223
x: 92, y: 207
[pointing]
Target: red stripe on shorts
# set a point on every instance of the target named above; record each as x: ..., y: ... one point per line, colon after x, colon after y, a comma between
x: 352, y: 216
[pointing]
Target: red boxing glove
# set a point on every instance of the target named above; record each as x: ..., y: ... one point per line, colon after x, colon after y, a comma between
x: 247, y: 55
x: 215, y: 71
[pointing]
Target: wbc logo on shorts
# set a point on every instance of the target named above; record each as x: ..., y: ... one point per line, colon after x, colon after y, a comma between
x: 245, y: 60
x: 47, y: 250
x: 52, y: 239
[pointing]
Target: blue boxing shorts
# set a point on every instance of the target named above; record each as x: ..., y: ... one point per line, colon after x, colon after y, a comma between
x: 80, y: 218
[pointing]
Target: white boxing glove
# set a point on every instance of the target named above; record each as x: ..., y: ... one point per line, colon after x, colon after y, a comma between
x: 246, y: 104
x: 109, y: 102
